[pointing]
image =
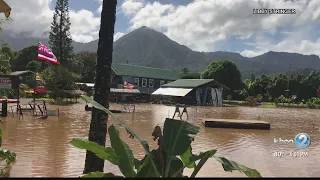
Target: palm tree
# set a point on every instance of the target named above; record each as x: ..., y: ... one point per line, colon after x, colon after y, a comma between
x: 98, y: 125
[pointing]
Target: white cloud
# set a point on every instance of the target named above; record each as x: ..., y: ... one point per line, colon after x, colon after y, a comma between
x: 130, y: 7
x: 100, y: 7
x: 306, y: 47
x: 35, y: 16
x: 118, y: 35
x: 202, y: 23
x: 84, y: 25
x: 295, y: 42
x: 251, y: 53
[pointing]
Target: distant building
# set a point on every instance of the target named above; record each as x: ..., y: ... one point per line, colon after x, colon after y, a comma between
x: 194, y: 91
x: 145, y: 79
x: 25, y: 77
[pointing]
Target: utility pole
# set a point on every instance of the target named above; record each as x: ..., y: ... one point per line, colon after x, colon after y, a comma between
x: 287, y: 90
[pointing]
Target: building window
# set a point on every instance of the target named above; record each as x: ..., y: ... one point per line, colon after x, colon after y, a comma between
x: 162, y: 82
x: 144, y: 82
x: 151, y: 82
x: 28, y: 78
x: 136, y: 81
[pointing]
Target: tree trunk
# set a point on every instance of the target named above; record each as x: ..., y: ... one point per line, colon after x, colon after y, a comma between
x: 98, y: 125
x: 60, y: 33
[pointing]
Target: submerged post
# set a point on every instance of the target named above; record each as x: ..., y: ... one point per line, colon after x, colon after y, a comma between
x: 4, y: 111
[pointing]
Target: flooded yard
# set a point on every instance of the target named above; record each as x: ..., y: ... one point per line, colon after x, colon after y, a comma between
x: 43, y: 149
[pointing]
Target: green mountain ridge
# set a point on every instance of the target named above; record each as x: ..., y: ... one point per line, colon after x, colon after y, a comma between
x: 147, y: 47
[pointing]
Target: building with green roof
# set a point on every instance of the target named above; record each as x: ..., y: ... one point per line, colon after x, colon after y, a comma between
x: 194, y: 91
x: 23, y: 77
x: 146, y: 79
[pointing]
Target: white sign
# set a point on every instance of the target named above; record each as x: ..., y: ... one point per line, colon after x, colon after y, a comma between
x: 5, y: 83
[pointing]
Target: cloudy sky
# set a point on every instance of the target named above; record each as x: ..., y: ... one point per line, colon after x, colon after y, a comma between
x: 202, y: 25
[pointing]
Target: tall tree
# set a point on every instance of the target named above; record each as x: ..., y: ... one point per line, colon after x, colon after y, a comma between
x: 84, y: 63
x: 57, y: 79
x: 225, y: 72
x: 185, y: 70
x: 6, y: 55
x: 34, y: 66
x: 253, y: 77
x: 60, y: 36
x: 23, y: 57
x: 98, y: 125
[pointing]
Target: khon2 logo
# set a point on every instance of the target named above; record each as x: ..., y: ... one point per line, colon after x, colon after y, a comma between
x: 302, y: 140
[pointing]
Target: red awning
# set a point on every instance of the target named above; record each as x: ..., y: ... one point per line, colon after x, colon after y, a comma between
x: 41, y: 90
x: 38, y: 90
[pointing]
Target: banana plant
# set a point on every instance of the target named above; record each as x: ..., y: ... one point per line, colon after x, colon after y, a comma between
x: 8, y: 157
x: 173, y: 155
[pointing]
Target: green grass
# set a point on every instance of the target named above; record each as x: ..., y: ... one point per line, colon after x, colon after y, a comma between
x: 229, y: 105
x: 292, y: 105
x: 46, y: 99
x: 268, y: 105
x: 234, y: 103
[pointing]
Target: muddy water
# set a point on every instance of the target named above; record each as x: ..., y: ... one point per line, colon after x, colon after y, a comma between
x: 43, y: 149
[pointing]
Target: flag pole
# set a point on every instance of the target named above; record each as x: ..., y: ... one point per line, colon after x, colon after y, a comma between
x: 36, y: 84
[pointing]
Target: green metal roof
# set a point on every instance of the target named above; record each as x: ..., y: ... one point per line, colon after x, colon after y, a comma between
x: 187, y: 83
x: 142, y: 71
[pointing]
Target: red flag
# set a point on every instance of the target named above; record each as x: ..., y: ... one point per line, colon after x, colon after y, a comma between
x: 45, y: 54
x: 128, y: 85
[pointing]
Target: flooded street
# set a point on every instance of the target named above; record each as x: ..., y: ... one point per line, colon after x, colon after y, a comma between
x: 43, y: 149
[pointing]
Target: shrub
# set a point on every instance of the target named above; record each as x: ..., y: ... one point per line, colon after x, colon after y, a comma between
x: 313, y: 102
x: 229, y: 97
x: 259, y: 98
x: 282, y: 99
x: 23, y: 88
x: 251, y: 101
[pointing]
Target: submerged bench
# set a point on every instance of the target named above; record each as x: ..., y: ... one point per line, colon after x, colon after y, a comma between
x: 234, y: 123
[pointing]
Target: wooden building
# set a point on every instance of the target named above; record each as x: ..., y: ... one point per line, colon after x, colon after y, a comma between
x: 194, y: 91
x: 14, y: 79
x: 25, y: 77
x: 145, y: 79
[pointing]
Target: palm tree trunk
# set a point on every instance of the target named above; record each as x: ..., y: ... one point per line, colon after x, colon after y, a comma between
x: 98, y: 125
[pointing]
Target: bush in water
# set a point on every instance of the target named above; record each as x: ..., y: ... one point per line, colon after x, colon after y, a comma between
x: 259, y: 98
x: 251, y: 101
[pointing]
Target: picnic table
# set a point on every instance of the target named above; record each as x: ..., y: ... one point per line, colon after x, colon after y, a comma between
x: 180, y: 113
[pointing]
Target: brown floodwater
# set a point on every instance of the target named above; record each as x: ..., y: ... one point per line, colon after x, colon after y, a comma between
x: 43, y: 149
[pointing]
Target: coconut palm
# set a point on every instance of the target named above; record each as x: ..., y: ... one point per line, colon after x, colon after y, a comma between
x: 98, y: 125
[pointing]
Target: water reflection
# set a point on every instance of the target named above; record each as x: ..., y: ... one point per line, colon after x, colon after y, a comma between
x: 43, y: 147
